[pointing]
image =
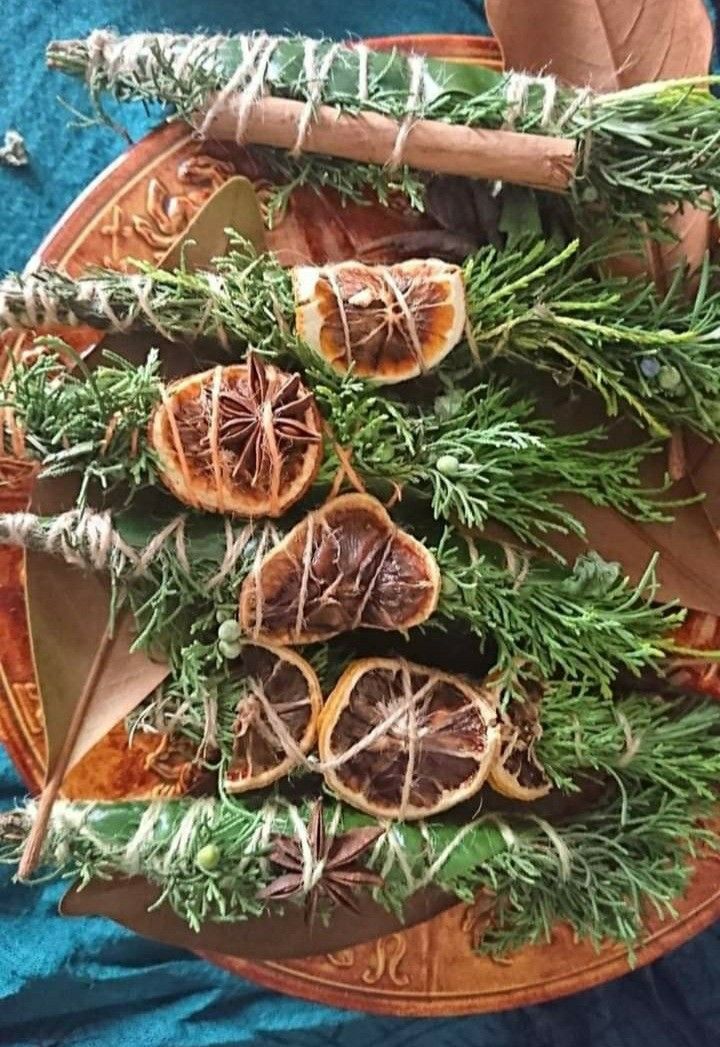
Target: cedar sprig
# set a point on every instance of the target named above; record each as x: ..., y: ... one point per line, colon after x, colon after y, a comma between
x: 90, y: 422
x: 584, y: 622
x: 481, y: 453
x: 475, y: 455
x: 600, y: 871
x: 581, y: 623
x: 656, y: 358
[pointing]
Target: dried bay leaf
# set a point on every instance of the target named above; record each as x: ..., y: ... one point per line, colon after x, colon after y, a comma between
x: 68, y: 612
x: 610, y: 45
x: 260, y: 938
x: 604, y: 44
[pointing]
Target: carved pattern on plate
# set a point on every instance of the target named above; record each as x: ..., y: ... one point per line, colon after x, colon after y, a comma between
x: 167, y: 210
x: 386, y: 963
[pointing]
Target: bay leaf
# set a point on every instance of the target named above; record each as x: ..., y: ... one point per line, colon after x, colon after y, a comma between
x: 604, y: 44
x: 260, y: 938
x: 610, y: 45
x: 68, y: 613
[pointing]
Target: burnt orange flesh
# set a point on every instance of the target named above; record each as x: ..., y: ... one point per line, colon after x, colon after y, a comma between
x: 283, y: 680
x: 344, y: 567
x: 244, y: 439
x: 436, y: 749
x: 389, y: 323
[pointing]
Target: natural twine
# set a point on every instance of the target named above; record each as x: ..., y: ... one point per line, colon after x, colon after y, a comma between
x: 87, y: 538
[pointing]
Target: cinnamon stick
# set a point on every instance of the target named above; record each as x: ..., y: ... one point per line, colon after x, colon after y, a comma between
x: 539, y: 161
x: 34, y: 843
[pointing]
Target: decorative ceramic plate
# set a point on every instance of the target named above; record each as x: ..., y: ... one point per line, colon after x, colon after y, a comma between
x: 138, y: 208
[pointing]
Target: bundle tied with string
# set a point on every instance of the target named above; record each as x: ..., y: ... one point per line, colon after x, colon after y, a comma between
x: 245, y: 110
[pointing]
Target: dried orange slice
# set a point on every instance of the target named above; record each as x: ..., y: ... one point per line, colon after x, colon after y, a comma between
x: 244, y: 439
x: 345, y: 566
x: 517, y: 772
x: 399, y: 740
x: 389, y: 323
x: 276, y: 718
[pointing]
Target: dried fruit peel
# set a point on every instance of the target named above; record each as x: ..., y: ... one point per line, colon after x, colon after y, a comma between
x: 345, y: 566
x: 244, y: 439
x: 389, y: 323
x: 517, y: 772
x: 288, y: 683
x: 440, y: 739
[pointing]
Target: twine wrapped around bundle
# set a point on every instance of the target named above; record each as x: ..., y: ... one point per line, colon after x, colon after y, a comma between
x: 244, y: 111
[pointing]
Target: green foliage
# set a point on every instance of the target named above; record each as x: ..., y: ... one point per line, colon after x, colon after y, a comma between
x: 673, y: 744
x: 87, y: 422
x: 545, y: 307
x: 641, y: 149
x: 480, y: 453
x: 584, y: 623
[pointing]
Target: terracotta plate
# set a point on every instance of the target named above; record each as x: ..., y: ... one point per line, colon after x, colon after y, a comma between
x: 137, y: 208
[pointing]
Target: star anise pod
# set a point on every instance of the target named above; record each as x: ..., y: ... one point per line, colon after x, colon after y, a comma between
x: 337, y: 859
x: 263, y: 417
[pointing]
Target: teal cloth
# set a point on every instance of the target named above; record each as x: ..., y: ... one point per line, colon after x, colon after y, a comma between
x: 88, y: 982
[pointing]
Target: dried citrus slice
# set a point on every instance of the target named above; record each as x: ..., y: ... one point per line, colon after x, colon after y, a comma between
x: 345, y: 566
x: 517, y: 772
x: 276, y: 717
x: 399, y: 740
x: 389, y: 322
x: 244, y: 439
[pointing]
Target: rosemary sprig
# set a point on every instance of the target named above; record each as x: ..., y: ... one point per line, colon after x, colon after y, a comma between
x: 657, y: 359
x: 477, y: 455
x: 637, y: 738
x: 641, y: 149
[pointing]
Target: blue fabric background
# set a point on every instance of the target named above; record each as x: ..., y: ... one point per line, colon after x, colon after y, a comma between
x: 88, y: 982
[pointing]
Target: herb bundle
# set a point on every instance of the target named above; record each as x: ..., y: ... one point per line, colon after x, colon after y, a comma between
x: 478, y: 454
x: 289, y: 642
x: 208, y: 858
x: 582, y: 623
x: 652, y: 145
x: 658, y: 359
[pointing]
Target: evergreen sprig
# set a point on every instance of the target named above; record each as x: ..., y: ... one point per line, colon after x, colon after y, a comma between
x: 657, y: 359
x: 599, y: 871
x: 91, y: 423
x: 476, y: 455
x: 640, y: 149
x: 636, y: 738
x: 582, y: 623
x: 481, y: 453
x: 579, y: 623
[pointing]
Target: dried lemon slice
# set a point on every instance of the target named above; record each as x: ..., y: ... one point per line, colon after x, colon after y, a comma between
x: 399, y: 740
x: 517, y: 772
x: 389, y: 323
x: 345, y: 566
x: 276, y: 717
x: 244, y: 439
